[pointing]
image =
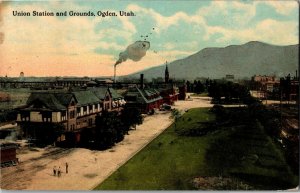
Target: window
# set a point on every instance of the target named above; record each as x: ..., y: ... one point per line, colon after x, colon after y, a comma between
x: 25, y: 116
x: 63, y: 116
x: 84, y: 110
x: 46, y: 116
x: 106, y: 106
x: 72, y: 127
x: 72, y: 114
x: 78, y: 111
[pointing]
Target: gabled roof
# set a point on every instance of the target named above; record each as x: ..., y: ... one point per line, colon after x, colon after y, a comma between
x: 115, y: 94
x: 99, y: 92
x: 85, y: 97
x: 142, y: 95
x: 64, y: 98
x: 49, y: 100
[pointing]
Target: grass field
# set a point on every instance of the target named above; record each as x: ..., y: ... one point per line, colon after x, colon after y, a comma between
x: 171, y: 162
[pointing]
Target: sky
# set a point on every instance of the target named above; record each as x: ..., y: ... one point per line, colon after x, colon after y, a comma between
x: 90, y: 46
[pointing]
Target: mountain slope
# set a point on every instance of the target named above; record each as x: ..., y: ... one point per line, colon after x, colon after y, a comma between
x: 240, y: 60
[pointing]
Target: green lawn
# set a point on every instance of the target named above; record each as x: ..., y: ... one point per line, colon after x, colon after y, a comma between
x: 172, y: 161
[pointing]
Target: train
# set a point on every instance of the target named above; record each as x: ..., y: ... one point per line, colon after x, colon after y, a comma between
x: 8, y: 154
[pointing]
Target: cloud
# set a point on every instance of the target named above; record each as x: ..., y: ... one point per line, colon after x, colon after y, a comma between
x: 282, y: 7
x: 271, y: 31
x: 96, y: 41
x: 127, y: 25
x: 164, y: 22
x: 234, y: 14
x: 169, y: 46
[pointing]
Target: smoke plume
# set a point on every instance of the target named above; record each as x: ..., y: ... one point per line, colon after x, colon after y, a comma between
x: 135, y: 52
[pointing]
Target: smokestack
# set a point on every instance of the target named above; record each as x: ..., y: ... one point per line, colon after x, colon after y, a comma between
x: 115, y: 73
x: 142, y: 81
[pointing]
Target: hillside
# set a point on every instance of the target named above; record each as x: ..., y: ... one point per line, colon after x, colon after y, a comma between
x: 240, y: 60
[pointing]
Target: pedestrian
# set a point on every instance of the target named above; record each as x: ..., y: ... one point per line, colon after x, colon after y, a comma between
x: 58, y: 172
x: 67, y: 167
x: 54, y: 170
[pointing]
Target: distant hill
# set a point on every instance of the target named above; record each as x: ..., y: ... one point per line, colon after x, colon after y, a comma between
x: 240, y: 60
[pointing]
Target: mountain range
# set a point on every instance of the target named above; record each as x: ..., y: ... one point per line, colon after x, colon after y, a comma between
x: 242, y: 61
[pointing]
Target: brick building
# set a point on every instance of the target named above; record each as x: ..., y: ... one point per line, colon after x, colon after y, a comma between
x: 65, y: 111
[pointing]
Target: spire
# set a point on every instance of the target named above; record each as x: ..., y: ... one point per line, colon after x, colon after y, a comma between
x: 166, y: 73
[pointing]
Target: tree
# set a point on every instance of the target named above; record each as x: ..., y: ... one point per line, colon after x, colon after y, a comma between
x: 199, y: 87
x: 131, y: 116
x: 188, y: 86
x: 107, y: 126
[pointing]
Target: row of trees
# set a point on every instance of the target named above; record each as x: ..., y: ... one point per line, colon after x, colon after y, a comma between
x: 196, y: 87
x: 229, y: 92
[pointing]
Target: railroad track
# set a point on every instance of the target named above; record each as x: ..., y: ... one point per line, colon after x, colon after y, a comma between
x: 18, y: 177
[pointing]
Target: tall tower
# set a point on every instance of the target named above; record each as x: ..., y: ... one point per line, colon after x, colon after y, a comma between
x: 166, y: 73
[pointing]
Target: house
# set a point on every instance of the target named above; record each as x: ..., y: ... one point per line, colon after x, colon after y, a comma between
x: 169, y: 93
x: 182, y: 91
x: 145, y: 99
x: 65, y: 111
x: 117, y: 100
x: 265, y: 83
x: 167, y: 90
x: 290, y: 88
x: 229, y: 77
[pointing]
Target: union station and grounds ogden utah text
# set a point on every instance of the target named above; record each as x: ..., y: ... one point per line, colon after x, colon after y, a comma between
x: 74, y: 13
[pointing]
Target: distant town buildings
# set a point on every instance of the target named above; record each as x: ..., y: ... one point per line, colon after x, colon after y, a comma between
x: 229, y: 77
x: 290, y: 88
x: 265, y: 83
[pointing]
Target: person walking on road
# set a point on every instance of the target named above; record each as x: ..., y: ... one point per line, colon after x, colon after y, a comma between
x: 54, y: 170
x: 67, y: 166
x: 58, y: 172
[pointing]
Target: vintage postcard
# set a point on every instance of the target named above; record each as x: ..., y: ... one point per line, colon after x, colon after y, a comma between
x: 149, y: 95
